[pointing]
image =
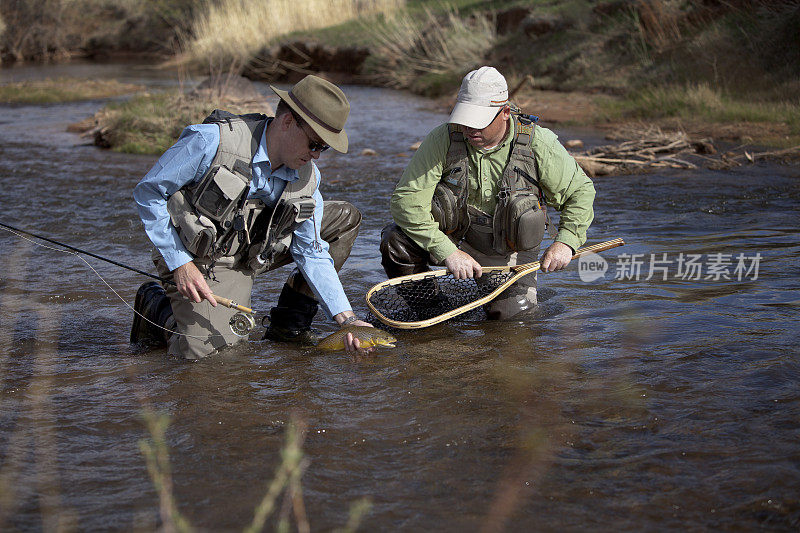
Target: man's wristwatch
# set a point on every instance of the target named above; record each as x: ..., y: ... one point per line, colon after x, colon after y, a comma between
x: 349, y: 320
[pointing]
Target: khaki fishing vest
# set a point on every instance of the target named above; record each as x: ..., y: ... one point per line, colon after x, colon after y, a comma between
x: 520, y: 218
x: 214, y: 217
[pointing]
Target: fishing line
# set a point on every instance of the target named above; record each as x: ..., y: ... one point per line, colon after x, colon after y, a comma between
x: 76, y: 254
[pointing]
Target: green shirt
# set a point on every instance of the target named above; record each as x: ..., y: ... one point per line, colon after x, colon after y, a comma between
x: 564, y: 184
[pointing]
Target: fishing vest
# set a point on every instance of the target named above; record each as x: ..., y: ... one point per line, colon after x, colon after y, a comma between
x: 520, y: 218
x: 214, y: 217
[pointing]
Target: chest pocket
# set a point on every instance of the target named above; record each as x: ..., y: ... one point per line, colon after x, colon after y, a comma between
x: 445, y: 206
x: 220, y: 195
x: 524, y: 222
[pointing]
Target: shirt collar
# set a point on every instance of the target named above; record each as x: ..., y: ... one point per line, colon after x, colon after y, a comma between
x: 261, y: 157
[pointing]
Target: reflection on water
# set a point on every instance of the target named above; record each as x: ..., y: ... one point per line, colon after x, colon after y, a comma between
x: 621, y: 403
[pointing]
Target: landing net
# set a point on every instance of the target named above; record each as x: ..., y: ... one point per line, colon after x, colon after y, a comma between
x: 417, y: 300
x: 424, y: 299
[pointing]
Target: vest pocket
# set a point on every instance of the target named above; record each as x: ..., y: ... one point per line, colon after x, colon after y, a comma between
x: 525, y: 223
x: 218, y: 198
x: 444, y: 208
x: 197, y: 232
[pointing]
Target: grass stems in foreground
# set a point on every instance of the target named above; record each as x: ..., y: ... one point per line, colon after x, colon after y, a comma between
x: 286, y: 481
x: 156, y: 456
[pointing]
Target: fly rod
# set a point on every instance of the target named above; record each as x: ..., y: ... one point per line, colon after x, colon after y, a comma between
x: 227, y: 302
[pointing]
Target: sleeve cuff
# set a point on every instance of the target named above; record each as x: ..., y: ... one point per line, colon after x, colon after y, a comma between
x: 176, y: 259
x: 569, y: 238
x: 442, y: 251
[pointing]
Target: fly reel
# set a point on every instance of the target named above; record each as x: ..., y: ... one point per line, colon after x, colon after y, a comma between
x: 242, y: 324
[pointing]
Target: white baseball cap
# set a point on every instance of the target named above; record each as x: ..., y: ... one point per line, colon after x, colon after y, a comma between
x: 482, y: 93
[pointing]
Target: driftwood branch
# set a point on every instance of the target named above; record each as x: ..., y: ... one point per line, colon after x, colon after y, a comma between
x: 640, y: 149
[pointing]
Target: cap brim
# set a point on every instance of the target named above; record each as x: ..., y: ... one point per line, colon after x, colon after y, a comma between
x: 473, y: 116
x: 337, y: 141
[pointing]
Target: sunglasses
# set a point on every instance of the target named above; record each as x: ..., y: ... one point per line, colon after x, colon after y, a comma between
x: 314, y: 146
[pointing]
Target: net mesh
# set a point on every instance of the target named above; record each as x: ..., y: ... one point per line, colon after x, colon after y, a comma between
x: 422, y: 299
x: 431, y: 296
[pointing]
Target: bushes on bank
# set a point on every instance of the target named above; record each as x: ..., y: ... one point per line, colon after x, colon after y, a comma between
x: 52, y: 30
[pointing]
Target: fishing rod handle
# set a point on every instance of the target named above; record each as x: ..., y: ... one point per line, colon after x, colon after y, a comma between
x: 227, y: 302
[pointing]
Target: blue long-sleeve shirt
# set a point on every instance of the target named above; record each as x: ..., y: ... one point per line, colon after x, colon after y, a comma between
x: 187, y: 161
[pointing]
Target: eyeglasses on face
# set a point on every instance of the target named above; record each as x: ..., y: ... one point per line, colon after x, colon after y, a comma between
x: 314, y: 146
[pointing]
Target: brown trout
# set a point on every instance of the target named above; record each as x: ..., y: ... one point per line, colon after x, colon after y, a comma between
x: 368, y: 336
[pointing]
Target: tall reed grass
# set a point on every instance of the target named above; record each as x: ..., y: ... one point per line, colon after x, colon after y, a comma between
x: 232, y: 31
x: 428, y: 52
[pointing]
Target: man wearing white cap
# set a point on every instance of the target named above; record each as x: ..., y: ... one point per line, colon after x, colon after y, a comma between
x: 475, y: 193
x: 237, y: 196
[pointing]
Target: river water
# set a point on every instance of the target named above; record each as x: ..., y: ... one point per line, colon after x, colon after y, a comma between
x: 662, y: 395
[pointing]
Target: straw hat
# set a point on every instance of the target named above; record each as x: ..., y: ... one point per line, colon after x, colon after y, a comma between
x: 323, y: 106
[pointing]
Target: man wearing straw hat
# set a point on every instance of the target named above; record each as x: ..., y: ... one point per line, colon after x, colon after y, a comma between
x: 237, y: 196
x: 476, y: 190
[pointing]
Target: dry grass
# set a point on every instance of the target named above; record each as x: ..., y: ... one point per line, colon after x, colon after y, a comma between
x: 258, y: 23
x: 149, y: 123
x: 286, y: 482
x: 703, y: 102
x: 156, y: 455
x: 428, y: 53
x: 29, y: 461
x: 54, y: 30
x: 58, y: 90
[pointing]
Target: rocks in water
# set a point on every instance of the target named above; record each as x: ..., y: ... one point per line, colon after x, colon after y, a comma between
x: 573, y: 144
x: 595, y: 168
